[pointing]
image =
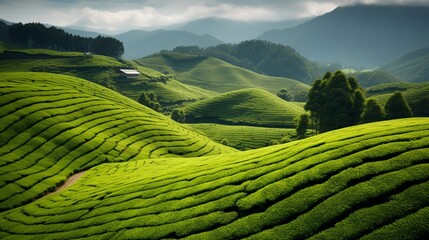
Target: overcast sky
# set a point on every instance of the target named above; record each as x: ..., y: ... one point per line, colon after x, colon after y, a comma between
x: 113, y: 16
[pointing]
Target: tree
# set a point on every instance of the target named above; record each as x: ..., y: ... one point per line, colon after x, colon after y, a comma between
x: 303, y: 124
x: 284, y: 94
x: 373, y: 112
x: 149, y: 101
x: 178, y: 115
x: 224, y: 142
x: 335, y: 102
x: 396, y: 107
x: 301, y: 96
x: 421, y: 107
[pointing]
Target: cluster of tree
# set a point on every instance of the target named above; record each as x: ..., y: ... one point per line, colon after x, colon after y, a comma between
x: 300, y: 96
x: 178, y: 115
x: 37, y: 35
x: 150, y: 100
x: 335, y: 102
x: 262, y: 57
x: 396, y: 107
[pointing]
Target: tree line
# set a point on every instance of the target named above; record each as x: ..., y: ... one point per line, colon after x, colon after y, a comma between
x: 37, y: 35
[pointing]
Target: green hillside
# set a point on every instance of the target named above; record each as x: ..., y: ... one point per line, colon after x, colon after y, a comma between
x: 252, y: 106
x: 55, y: 125
x: 243, y: 137
x: 102, y: 70
x: 412, y: 92
x: 364, y: 182
x: 216, y: 75
x: 374, y: 77
x: 412, y: 67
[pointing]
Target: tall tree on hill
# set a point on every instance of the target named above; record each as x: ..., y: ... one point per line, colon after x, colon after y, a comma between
x: 397, y: 107
x: 335, y: 102
x: 303, y: 124
x: 373, y: 112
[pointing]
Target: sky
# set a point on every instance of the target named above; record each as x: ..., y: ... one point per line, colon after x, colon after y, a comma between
x: 114, y: 16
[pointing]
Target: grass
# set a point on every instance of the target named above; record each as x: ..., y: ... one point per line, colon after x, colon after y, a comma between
x: 102, y: 70
x: 369, y: 181
x: 218, y: 76
x: 253, y: 107
x: 55, y: 125
x: 244, y: 137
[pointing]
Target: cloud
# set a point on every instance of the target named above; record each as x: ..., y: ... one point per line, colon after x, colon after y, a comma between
x: 117, y: 16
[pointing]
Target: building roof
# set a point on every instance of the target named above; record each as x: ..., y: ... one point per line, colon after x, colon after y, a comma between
x: 130, y: 71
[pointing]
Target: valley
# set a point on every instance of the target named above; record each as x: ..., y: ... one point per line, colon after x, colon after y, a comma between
x: 280, y: 130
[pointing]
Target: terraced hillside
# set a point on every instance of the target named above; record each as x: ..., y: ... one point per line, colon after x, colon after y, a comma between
x: 216, y: 75
x: 244, y: 137
x: 252, y: 106
x: 102, y: 70
x: 52, y: 126
x: 364, y: 182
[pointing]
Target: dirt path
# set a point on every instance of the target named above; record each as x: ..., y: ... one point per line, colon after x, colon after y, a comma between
x: 70, y: 181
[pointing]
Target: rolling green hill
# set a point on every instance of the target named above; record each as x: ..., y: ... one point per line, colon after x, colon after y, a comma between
x: 374, y: 77
x: 243, y: 137
x: 102, y: 70
x: 413, y: 92
x: 216, y: 75
x: 252, y: 106
x: 412, y: 67
x: 52, y: 126
x: 364, y: 182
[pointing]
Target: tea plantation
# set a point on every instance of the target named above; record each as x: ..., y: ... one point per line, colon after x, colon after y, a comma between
x: 369, y: 181
x: 255, y: 107
x: 55, y: 125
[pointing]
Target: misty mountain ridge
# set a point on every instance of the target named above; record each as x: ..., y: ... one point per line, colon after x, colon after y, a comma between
x: 360, y: 35
x: 230, y: 31
x: 139, y: 43
x: 412, y: 67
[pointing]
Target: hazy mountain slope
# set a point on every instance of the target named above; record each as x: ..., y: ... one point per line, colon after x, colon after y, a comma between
x: 230, y: 31
x: 55, y: 125
x: 412, y: 67
x: 363, y: 182
x: 374, y: 77
x: 361, y: 35
x: 252, y: 106
x: 216, y: 75
x: 139, y: 43
x: 262, y: 57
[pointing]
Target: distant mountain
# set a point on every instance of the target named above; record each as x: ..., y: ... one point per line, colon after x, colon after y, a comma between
x: 231, y: 31
x: 412, y: 67
x: 361, y: 35
x: 82, y: 33
x: 372, y: 78
x: 262, y: 57
x: 139, y: 43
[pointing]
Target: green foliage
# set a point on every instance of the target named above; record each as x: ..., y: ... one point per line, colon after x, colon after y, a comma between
x: 178, y: 115
x: 397, y: 107
x: 284, y: 94
x: 367, y: 181
x: 251, y: 107
x: 55, y: 125
x: 373, y: 112
x: 36, y: 35
x: 224, y: 142
x: 150, y: 101
x: 273, y: 142
x: 285, y: 140
x: 421, y: 107
x: 335, y: 102
x: 219, y: 76
x: 303, y: 125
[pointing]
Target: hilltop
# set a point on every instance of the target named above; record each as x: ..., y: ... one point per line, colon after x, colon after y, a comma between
x: 359, y: 35
x: 364, y: 182
x: 55, y: 125
x: 217, y: 75
x: 253, y: 107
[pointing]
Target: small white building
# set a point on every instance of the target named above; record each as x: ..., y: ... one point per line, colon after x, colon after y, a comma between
x: 130, y: 73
